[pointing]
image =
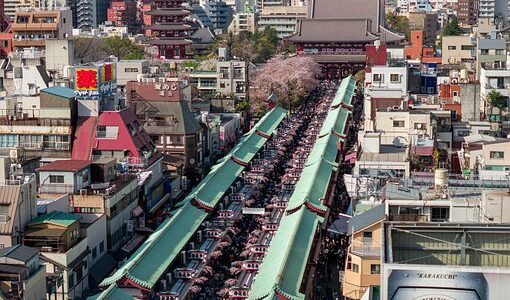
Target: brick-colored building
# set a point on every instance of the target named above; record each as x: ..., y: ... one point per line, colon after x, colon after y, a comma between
x: 418, y: 51
x: 123, y: 13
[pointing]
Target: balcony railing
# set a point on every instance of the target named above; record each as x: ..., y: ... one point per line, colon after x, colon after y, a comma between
x: 365, y: 249
x: 409, y: 218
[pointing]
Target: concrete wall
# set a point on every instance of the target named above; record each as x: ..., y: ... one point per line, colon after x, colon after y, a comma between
x: 470, y: 100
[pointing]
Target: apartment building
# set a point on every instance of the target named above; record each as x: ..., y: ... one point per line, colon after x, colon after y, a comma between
x: 63, y: 250
x: 32, y: 27
x: 243, y: 21
x: 19, y: 203
x: 459, y: 50
x: 281, y: 18
x: 363, y: 262
x: 169, y: 121
x: 95, y: 188
x: 123, y: 13
x: 23, y: 275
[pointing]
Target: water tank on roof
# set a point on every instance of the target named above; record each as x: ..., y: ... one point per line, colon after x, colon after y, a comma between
x: 441, y: 178
x: 463, y: 74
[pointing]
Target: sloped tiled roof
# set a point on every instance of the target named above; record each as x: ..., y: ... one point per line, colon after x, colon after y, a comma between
x: 56, y: 218
x: 10, y: 195
x: 282, y: 269
x: 154, y: 256
x: 65, y: 165
x: 367, y: 218
x: 19, y: 252
x: 271, y: 120
x: 112, y: 293
x: 345, y: 92
x: 60, y: 91
x: 335, y: 122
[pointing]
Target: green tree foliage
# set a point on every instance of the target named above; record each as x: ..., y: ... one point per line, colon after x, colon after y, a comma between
x: 256, y: 47
x: 495, y: 99
x: 398, y: 23
x: 123, y: 48
x: 452, y: 28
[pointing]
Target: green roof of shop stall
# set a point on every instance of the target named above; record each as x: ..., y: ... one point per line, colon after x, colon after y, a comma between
x: 156, y: 254
x: 270, y: 121
x: 345, y: 92
x: 112, y: 293
x: 218, y: 183
x: 312, y: 185
x: 336, y: 121
x: 248, y: 146
x: 283, y: 266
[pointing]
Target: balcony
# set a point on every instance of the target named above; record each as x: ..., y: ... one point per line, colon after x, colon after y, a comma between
x: 362, y: 249
x: 34, y: 27
x: 28, y: 43
x: 409, y: 218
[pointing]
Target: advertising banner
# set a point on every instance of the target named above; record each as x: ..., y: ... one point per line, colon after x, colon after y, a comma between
x: 431, y: 283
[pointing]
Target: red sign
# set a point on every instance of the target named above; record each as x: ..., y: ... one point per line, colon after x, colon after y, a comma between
x: 86, y: 79
x: 108, y: 73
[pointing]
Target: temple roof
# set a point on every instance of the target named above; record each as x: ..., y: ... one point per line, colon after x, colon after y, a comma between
x: 169, y: 27
x: 168, y: 12
x: 170, y: 42
x: 333, y: 30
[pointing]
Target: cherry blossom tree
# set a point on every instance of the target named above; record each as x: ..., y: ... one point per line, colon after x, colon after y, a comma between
x: 288, y: 80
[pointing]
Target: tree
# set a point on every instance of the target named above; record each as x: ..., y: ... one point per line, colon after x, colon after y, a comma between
x: 122, y: 48
x: 398, y: 23
x: 452, y: 28
x: 290, y: 80
x: 87, y: 50
x: 495, y: 99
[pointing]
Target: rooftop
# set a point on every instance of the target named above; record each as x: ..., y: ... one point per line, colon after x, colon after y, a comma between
x: 56, y: 218
x: 66, y: 165
x: 19, y: 252
x: 480, y: 245
x: 60, y: 91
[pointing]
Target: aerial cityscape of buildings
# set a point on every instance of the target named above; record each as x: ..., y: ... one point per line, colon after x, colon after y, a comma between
x: 268, y: 149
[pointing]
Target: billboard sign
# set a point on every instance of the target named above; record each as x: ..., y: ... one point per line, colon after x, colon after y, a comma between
x: 445, y: 283
x: 93, y: 82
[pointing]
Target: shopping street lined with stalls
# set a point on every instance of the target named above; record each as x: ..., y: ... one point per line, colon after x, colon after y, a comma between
x: 249, y: 230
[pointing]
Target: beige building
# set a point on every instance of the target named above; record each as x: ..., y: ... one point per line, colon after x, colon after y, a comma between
x: 18, y: 205
x: 32, y: 27
x: 363, y: 265
x: 23, y: 276
x: 282, y: 18
x: 243, y: 22
x: 458, y: 50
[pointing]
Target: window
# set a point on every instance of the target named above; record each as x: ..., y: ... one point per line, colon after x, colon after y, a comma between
x: 395, y: 78
x: 375, y: 269
x: 497, y: 155
x: 377, y: 78
x: 421, y: 126
x: 8, y: 140
x: 70, y: 281
x: 131, y: 70
x: 29, y: 141
x: 462, y: 133
x: 398, y: 123
x: 107, y: 132
x: 499, y: 52
x: 94, y: 253
x: 4, y: 209
x: 355, y: 268
x: 56, y: 178
x: 452, y: 47
x: 467, y: 47
x: 57, y: 142
x: 101, y: 247
x: 367, y: 234
x: 484, y: 51
x: 440, y: 214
